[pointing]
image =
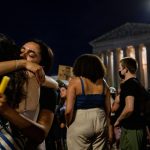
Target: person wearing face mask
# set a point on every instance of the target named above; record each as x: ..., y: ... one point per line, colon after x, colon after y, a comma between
x: 131, y: 118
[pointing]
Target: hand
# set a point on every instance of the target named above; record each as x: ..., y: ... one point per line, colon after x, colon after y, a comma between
x: 3, y: 102
x: 37, y: 70
x: 62, y: 125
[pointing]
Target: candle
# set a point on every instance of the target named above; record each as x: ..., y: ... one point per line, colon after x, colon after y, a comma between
x: 3, y: 84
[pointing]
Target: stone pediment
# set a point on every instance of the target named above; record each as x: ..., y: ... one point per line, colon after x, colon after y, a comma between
x: 125, y: 31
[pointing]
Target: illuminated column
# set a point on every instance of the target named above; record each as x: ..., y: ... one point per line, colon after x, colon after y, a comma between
x: 140, y: 64
x: 115, y: 68
x: 137, y: 56
x: 130, y: 51
x: 104, y: 57
x: 143, y: 65
x: 110, y: 68
x: 106, y: 64
x: 101, y: 55
x: 146, y: 57
x: 118, y: 55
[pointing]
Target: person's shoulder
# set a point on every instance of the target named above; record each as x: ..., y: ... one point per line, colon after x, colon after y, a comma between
x: 136, y: 83
x: 74, y: 81
x: 132, y: 81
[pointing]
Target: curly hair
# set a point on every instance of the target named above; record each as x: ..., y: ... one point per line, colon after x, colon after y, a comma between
x: 46, y: 54
x: 15, y: 91
x: 89, y: 66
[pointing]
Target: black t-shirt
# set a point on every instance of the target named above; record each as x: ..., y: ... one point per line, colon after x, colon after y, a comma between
x: 48, y: 98
x: 131, y: 87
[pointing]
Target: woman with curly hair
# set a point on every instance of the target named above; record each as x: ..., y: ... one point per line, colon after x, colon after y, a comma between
x: 88, y: 105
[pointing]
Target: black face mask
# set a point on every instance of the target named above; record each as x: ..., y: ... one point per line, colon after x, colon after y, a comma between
x: 121, y: 76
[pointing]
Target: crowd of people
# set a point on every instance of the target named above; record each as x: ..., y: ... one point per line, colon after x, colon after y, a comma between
x: 37, y: 112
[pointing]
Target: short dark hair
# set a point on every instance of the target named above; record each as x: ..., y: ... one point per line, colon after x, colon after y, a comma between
x: 46, y: 54
x: 89, y: 66
x: 130, y: 63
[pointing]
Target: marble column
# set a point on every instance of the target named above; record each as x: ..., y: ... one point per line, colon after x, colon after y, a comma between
x: 137, y: 57
x: 117, y: 57
x: 109, y: 69
x: 148, y: 62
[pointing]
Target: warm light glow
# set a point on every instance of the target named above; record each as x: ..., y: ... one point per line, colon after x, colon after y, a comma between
x: 131, y: 51
x: 144, y: 65
x: 120, y: 54
x: 144, y: 56
x: 102, y: 57
x: 112, y: 67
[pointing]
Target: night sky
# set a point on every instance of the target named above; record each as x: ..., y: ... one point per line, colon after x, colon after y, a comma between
x: 68, y: 26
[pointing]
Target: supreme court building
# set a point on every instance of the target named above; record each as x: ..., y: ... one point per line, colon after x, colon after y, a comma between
x: 130, y: 39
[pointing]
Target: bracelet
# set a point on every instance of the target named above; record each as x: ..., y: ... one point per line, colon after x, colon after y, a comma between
x: 16, y: 64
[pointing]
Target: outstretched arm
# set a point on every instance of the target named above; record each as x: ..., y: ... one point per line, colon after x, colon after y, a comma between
x: 50, y: 82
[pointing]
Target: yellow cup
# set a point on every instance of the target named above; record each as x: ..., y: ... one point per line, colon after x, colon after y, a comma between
x: 4, y: 84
